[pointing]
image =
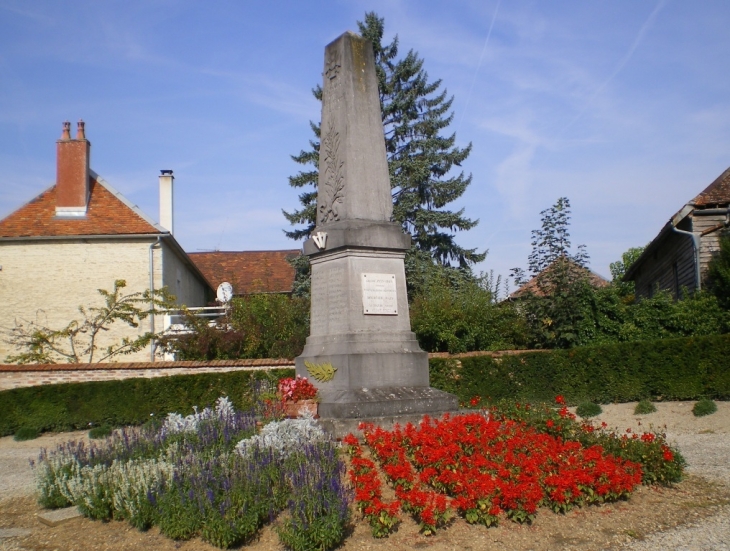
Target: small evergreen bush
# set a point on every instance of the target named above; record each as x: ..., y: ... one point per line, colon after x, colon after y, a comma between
x: 644, y: 407
x: 101, y: 431
x: 704, y: 407
x: 25, y: 433
x: 588, y: 409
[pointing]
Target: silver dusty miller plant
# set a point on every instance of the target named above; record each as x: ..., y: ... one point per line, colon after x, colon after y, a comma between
x: 284, y: 437
x: 176, y: 423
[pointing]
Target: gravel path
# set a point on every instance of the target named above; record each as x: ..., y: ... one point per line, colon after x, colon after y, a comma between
x: 707, y: 455
x: 16, y: 475
x: 705, y: 444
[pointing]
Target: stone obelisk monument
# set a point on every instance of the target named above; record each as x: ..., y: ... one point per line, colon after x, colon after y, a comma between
x: 359, y: 318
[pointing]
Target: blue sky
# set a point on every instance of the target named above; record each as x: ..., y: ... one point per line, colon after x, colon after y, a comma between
x: 622, y: 106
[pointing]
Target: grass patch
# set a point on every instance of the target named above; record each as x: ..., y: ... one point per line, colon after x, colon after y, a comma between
x: 704, y: 407
x: 588, y: 409
x: 26, y: 433
x: 100, y: 432
x: 644, y: 407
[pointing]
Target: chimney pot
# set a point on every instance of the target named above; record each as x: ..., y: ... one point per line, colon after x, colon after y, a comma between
x: 80, y: 134
x: 166, y: 200
x: 66, y: 134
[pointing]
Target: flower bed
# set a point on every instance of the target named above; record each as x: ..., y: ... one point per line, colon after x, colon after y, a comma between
x: 216, y: 475
x: 210, y: 475
x: 486, y: 465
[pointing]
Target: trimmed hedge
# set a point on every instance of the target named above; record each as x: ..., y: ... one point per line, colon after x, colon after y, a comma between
x: 73, y: 406
x: 671, y: 369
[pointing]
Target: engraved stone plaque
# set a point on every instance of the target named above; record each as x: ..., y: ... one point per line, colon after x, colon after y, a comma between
x: 379, y: 295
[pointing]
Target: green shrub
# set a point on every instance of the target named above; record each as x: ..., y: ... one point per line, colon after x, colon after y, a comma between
x: 26, y: 433
x: 670, y: 369
x: 644, y: 407
x: 101, y: 431
x: 459, y: 315
x: 72, y: 406
x: 588, y: 409
x: 704, y: 407
x: 257, y: 326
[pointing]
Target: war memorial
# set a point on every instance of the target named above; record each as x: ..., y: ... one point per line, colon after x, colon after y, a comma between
x: 360, y: 326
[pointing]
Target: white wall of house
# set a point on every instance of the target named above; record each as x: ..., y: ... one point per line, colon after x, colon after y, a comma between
x: 180, y: 280
x: 47, y: 280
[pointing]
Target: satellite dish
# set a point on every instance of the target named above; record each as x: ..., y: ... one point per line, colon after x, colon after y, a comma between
x: 225, y: 292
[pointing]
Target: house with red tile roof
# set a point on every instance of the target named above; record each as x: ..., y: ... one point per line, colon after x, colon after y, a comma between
x: 540, y: 284
x: 677, y: 258
x: 81, y: 235
x: 249, y: 271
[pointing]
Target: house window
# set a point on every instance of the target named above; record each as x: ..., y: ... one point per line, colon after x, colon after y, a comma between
x: 675, y: 276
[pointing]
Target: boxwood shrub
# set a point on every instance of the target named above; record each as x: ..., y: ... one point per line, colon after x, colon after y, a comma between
x: 670, y: 369
x: 77, y: 406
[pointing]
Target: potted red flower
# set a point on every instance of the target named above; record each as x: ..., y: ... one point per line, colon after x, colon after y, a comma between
x: 298, y: 396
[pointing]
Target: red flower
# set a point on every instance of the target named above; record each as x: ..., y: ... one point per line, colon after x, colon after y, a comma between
x: 667, y: 454
x: 560, y: 400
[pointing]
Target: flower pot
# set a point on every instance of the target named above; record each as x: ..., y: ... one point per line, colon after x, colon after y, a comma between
x: 296, y: 409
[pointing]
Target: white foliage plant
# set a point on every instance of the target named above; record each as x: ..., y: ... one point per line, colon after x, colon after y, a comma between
x: 284, y: 437
x: 176, y: 423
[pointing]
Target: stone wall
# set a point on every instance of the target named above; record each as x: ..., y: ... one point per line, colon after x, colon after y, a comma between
x: 17, y: 376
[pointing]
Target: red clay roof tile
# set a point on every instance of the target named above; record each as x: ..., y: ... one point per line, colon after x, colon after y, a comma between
x: 248, y: 271
x: 106, y: 215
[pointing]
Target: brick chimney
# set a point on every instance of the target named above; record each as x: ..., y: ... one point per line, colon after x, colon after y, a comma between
x: 166, y: 199
x: 72, y: 172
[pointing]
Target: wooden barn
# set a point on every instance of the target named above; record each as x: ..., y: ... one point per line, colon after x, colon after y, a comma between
x: 677, y: 258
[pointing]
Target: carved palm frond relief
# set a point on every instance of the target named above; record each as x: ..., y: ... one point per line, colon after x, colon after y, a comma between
x: 332, y: 183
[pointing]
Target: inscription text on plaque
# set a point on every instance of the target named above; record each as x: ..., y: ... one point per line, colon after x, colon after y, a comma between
x: 379, y: 295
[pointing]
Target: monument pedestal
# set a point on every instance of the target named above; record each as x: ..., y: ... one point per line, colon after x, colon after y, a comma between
x: 363, y: 403
x: 380, y: 369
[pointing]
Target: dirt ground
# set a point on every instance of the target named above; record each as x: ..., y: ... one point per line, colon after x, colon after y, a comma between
x: 608, y: 526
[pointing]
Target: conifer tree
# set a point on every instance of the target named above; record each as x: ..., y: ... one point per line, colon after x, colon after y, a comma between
x: 420, y: 159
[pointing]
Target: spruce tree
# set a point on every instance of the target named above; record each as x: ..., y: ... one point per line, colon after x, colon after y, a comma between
x: 420, y: 159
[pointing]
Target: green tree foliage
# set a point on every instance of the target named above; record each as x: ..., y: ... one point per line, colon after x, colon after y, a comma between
x: 554, y: 304
x: 78, y: 341
x: 563, y: 308
x: 420, y: 158
x: 620, y: 267
x: 256, y: 326
x: 458, y: 314
x: 610, y: 318
x: 719, y: 273
x: 551, y: 243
